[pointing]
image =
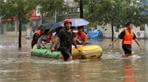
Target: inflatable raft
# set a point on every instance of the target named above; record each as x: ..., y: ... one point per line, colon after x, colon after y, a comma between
x: 83, y: 52
x: 87, y: 52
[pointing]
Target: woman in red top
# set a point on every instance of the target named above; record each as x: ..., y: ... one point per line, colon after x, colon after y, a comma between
x: 81, y: 36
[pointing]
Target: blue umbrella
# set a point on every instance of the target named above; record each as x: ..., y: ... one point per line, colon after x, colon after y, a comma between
x: 56, y: 26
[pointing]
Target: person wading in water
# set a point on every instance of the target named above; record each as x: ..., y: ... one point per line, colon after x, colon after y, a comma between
x: 66, y: 39
x: 127, y: 36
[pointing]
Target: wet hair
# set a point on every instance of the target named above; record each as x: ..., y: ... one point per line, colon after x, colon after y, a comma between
x: 46, y: 31
x: 44, y: 40
x: 80, y: 27
x: 127, y: 24
x: 38, y: 28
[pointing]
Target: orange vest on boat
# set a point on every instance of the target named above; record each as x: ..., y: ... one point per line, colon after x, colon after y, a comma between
x: 128, y: 38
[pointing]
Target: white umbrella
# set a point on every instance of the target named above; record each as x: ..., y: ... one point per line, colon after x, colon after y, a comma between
x: 79, y: 22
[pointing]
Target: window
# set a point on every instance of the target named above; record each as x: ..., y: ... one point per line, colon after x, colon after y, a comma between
x: 10, y: 26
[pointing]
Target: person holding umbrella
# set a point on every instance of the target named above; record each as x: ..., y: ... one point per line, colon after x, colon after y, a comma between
x: 81, y: 36
x: 66, y: 39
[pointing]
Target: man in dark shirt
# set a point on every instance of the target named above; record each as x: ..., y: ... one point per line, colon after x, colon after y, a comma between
x: 127, y: 36
x: 66, y: 40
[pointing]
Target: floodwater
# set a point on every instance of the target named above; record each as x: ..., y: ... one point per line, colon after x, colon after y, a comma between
x: 20, y: 66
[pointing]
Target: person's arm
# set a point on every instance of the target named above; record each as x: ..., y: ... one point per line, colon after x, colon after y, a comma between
x: 54, y: 42
x: 137, y: 42
x: 111, y: 44
x: 85, y: 39
x: 121, y: 36
x: 75, y: 44
x: 33, y: 40
x: 40, y: 39
x: 56, y: 39
x: 74, y: 39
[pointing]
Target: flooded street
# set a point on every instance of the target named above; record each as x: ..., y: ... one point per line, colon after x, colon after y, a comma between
x: 20, y: 66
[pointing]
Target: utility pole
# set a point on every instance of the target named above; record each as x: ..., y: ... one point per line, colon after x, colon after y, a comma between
x: 81, y: 8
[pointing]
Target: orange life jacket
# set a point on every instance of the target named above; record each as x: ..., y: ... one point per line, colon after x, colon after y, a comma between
x: 128, y: 38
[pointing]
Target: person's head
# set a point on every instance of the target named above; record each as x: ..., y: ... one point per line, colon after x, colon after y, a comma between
x: 129, y: 26
x: 46, y: 31
x: 43, y: 41
x: 67, y: 23
x: 39, y: 30
x: 80, y: 28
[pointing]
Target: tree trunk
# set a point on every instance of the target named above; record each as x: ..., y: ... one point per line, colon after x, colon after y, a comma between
x: 112, y: 31
x: 20, y: 32
x: 81, y: 8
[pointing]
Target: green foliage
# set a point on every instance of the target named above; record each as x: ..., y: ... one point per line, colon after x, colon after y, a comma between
x: 115, y: 12
x: 12, y: 8
x: 50, y: 6
x: 24, y: 8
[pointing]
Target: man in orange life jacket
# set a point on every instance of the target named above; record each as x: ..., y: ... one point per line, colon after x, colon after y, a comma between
x: 127, y: 36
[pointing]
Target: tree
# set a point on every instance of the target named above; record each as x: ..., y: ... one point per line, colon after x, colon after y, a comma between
x: 49, y: 8
x: 18, y: 9
x: 114, y: 12
x: 101, y: 12
x: 21, y: 9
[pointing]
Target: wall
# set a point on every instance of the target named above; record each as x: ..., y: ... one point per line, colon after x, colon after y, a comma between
x: 107, y: 33
x: 146, y: 31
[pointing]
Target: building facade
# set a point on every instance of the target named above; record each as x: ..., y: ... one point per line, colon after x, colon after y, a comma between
x: 72, y: 11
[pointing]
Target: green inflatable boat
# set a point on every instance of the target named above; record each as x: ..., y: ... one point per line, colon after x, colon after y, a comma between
x: 46, y: 53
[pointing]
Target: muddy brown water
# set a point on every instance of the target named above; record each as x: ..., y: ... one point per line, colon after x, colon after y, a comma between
x: 20, y: 66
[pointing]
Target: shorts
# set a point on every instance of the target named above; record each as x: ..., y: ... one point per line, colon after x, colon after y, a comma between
x: 66, y: 52
x: 127, y: 48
